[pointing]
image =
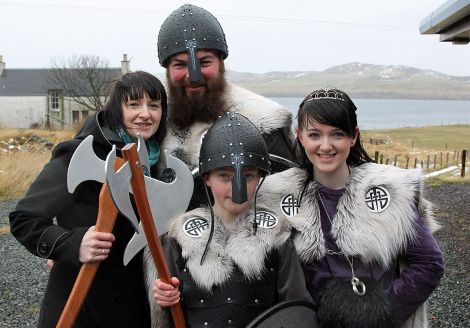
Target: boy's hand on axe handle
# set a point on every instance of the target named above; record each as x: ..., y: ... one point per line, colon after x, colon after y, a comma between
x: 95, y: 246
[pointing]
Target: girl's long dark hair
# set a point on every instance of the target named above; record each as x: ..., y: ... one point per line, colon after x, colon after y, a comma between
x: 132, y: 86
x: 330, y: 107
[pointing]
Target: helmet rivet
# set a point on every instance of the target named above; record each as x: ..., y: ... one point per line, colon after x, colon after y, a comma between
x: 185, y: 30
x: 176, y: 43
x: 223, y: 156
x: 241, y: 143
x: 262, y: 158
x: 243, y: 162
x: 231, y: 154
x: 194, y: 29
x: 229, y: 125
x: 251, y: 155
x: 205, y: 39
x: 190, y: 13
x: 164, y: 47
x: 241, y: 154
x: 182, y: 15
x: 231, y: 144
x: 194, y: 39
x: 239, y: 124
x: 208, y: 159
x: 233, y: 163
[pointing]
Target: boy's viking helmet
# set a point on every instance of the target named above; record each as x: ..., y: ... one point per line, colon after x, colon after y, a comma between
x: 234, y: 141
x: 188, y: 29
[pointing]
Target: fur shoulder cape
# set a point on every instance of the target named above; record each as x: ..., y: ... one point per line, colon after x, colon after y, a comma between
x: 375, y: 216
x: 230, y: 246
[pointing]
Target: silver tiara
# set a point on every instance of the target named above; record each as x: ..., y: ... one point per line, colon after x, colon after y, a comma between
x: 326, y: 93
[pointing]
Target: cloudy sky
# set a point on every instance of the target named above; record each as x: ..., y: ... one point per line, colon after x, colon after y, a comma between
x: 263, y: 36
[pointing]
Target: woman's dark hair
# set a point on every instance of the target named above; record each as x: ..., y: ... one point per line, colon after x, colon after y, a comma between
x: 132, y: 86
x: 330, y: 107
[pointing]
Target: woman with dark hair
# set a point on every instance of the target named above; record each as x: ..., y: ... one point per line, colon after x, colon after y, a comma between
x: 54, y: 224
x: 362, y: 230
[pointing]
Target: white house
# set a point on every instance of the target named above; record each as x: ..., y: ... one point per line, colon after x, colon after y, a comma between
x: 29, y: 99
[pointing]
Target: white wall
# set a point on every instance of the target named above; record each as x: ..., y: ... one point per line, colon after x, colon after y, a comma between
x: 21, y: 112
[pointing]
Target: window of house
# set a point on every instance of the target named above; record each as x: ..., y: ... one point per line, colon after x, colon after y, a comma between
x: 55, y: 100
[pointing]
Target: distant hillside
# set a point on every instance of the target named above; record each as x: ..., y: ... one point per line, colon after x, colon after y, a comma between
x: 360, y: 81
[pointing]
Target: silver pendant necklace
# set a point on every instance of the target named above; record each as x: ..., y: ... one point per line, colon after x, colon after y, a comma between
x: 358, y: 286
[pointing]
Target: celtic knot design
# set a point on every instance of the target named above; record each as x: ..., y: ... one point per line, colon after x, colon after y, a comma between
x: 194, y: 227
x: 377, y: 199
x: 289, y: 205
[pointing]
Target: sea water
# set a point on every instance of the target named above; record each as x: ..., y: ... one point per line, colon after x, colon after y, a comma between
x: 400, y: 113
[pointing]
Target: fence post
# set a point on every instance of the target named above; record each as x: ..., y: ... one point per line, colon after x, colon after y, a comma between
x: 407, y: 162
x: 464, y: 159
x: 435, y: 160
x: 447, y: 159
x: 427, y: 163
x: 395, y: 160
x: 376, y: 156
x: 422, y: 164
x: 386, y: 161
x: 441, y: 160
x: 381, y: 158
x: 416, y: 162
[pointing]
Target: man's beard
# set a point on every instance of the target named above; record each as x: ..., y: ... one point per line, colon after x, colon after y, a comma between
x: 184, y: 110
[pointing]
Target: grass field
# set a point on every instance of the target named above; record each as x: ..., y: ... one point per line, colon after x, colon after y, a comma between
x: 19, y: 167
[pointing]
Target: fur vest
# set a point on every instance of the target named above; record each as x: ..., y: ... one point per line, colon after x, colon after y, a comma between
x: 374, y: 219
x: 264, y: 113
x: 186, y: 241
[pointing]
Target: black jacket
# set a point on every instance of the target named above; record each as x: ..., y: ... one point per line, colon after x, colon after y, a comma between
x: 50, y: 222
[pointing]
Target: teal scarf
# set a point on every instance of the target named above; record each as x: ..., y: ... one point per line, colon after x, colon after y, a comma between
x: 152, y: 148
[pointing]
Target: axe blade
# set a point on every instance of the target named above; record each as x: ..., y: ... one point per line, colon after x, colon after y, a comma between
x: 142, y: 151
x: 118, y: 184
x: 84, y: 165
x: 167, y: 202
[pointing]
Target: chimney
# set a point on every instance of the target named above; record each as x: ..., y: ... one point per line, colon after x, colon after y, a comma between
x: 2, y: 65
x: 124, y: 65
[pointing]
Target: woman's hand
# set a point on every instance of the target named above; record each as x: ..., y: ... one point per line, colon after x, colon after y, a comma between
x: 95, y: 246
x: 165, y: 294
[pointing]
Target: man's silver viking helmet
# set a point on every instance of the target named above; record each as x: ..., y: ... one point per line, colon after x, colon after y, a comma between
x: 188, y: 29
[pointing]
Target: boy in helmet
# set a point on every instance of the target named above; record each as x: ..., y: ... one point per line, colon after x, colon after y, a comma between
x: 230, y: 260
x: 192, y: 47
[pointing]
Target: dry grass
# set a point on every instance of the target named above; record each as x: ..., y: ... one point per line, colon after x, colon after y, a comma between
x: 426, y: 145
x: 18, y: 170
x: 53, y: 136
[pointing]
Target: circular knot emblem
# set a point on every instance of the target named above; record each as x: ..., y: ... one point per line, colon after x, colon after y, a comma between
x: 377, y: 199
x: 194, y: 227
x: 289, y: 205
x: 266, y: 220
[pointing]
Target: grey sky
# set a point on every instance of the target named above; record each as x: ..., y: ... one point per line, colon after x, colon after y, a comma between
x: 262, y: 36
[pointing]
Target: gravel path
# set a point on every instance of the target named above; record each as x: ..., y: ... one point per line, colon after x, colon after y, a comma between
x: 23, y: 277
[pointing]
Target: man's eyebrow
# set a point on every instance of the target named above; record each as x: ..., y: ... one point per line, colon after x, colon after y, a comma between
x: 210, y: 56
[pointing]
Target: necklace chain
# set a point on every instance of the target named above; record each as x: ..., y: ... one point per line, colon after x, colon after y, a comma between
x: 355, y: 282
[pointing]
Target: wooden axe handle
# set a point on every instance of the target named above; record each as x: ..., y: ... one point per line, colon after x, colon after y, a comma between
x: 129, y: 153
x: 107, y: 214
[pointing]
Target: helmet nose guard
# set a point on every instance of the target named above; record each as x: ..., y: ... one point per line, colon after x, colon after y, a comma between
x: 188, y: 29
x: 234, y: 141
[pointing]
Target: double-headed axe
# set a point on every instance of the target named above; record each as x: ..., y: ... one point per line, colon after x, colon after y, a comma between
x: 169, y: 200
x: 85, y: 165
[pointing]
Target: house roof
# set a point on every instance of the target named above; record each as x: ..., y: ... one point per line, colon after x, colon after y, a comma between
x: 451, y: 21
x: 33, y: 82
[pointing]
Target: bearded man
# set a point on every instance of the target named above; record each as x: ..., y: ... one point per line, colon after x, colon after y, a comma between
x: 192, y: 48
